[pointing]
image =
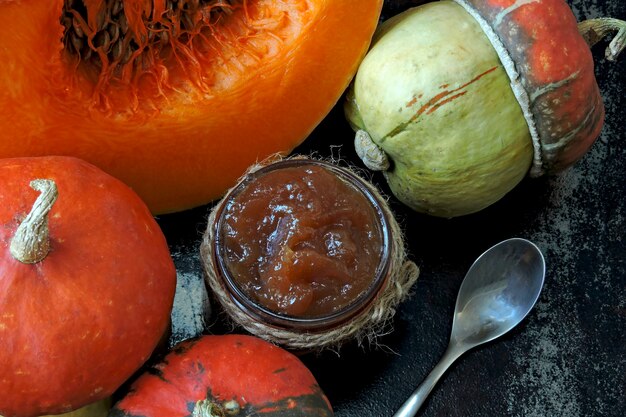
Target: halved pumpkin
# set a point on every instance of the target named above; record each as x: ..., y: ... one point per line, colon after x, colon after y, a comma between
x: 175, y: 97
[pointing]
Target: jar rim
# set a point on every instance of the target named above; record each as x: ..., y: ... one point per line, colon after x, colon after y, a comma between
x: 263, y: 314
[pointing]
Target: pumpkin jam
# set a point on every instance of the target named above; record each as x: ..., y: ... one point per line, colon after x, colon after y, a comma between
x: 301, y: 241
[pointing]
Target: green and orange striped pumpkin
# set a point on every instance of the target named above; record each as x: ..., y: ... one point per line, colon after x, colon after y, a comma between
x: 462, y: 99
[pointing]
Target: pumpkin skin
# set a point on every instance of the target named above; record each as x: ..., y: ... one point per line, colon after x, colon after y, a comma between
x: 77, y: 324
x: 97, y: 409
x: 182, y: 132
x: 261, y: 378
x: 461, y: 128
x: 553, y: 75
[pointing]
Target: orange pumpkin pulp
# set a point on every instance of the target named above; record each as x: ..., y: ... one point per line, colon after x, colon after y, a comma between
x: 176, y: 98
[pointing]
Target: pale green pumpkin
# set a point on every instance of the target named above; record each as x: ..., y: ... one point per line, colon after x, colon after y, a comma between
x: 443, y: 111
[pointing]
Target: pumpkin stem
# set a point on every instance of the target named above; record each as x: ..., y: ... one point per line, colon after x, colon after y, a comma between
x: 594, y: 30
x: 370, y: 153
x: 31, y: 242
x: 208, y: 408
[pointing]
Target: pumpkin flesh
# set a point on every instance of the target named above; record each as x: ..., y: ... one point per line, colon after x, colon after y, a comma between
x: 187, y: 121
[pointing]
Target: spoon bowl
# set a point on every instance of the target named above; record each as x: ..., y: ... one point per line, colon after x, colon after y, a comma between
x: 498, y: 291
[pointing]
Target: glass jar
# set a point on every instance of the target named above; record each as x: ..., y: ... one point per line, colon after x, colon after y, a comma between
x: 258, y: 313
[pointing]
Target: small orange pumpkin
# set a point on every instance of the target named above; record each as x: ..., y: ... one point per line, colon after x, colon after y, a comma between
x: 225, y: 375
x: 176, y: 98
x: 86, y: 285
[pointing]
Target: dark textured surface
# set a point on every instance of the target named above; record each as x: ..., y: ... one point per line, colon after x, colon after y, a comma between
x: 567, y: 359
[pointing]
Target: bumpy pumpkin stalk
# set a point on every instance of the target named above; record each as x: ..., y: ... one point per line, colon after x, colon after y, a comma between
x: 371, y: 154
x: 31, y: 242
x: 205, y: 408
x: 208, y: 408
x: 594, y: 30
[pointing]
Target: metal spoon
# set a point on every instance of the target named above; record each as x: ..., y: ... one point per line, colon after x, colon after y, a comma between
x: 499, y: 290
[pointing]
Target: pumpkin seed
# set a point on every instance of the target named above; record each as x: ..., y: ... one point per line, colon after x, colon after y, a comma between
x: 112, y: 30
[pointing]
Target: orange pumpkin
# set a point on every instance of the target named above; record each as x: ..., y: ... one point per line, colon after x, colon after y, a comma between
x: 228, y: 375
x: 175, y: 97
x: 86, y: 285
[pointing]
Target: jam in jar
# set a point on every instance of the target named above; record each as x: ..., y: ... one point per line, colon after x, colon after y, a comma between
x: 302, y: 238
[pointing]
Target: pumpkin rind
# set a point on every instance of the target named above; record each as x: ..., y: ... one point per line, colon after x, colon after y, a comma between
x: 262, y: 378
x: 97, y: 409
x: 77, y: 324
x: 188, y: 145
x: 552, y: 65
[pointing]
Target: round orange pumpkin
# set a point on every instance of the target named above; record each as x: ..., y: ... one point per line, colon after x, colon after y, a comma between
x: 228, y: 375
x: 86, y: 285
x: 174, y: 97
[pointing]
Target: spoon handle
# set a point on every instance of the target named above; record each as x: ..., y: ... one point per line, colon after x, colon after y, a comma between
x: 415, y: 401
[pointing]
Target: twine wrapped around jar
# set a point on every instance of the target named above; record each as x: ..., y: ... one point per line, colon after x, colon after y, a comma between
x: 369, y: 323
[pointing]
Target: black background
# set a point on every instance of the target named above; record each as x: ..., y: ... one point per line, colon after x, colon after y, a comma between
x: 568, y: 358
